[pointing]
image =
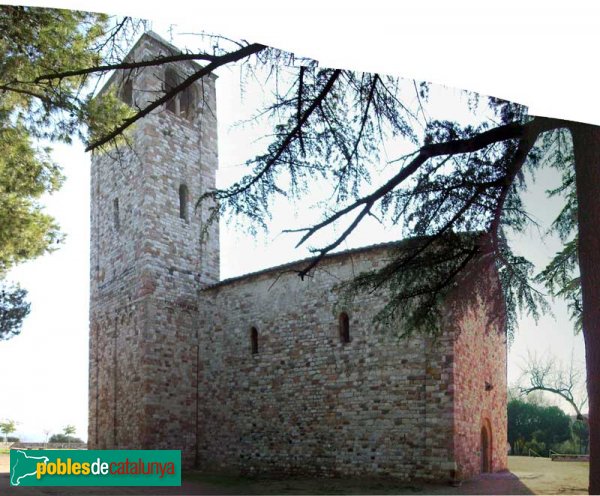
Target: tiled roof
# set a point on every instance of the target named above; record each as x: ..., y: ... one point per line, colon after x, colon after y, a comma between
x: 305, y: 261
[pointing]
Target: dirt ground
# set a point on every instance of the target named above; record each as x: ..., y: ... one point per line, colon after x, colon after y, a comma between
x: 526, y: 476
x: 543, y: 476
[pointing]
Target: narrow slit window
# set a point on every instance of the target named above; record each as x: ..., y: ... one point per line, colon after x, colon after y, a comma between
x: 254, y: 340
x: 171, y: 82
x: 183, y: 202
x: 344, y: 323
x: 128, y: 92
x: 183, y: 103
x: 116, y: 217
x: 187, y: 102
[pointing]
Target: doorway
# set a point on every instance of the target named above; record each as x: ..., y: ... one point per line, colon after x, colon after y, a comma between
x: 486, y: 448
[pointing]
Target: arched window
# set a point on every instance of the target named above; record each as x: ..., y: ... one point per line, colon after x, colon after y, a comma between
x: 182, y: 103
x: 344, y: 323
x: 486, y: 446
x: 172, y: 81
x: 183, y: 202
x: 116, y: 216
x: 186, y: 103
x: 254, y: 340
x: 128, y: 92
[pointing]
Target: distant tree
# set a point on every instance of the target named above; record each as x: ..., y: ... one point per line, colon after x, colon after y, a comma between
x: 556, y: 426
x: 64, y: 439
x: 69, y: 430
x: 522, y: 423
x: 581, y: 432
x: 13, y: 309
x: 546, y: 374
x: 7, y: 427
x: 528, y: 423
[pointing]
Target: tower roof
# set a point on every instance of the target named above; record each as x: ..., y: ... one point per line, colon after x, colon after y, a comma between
x: 156, y: 40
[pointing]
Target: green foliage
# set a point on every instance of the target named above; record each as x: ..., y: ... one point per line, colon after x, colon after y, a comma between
x: 62, y: 438
x: 25, y: 174
x: 561, y: 275
x: 35, y: 42
x: 334, y: 126
x: 13, y: 309
x: 535, y: 445
x: 581, y: 435
x: 427, y: 266
x: 7, y: 427
x: 332, y: 131
x: 69, y: 430
x: 516, y: 277
x: 101, y: 113
x: 537, y: 427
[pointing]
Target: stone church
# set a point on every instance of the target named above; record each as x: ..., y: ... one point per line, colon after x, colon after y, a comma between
x: 265, y: 373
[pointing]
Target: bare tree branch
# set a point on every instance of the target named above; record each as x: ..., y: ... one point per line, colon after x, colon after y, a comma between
x: 220, y: 61
x: 546, y: 375
x: 365, y: 114
x: 525, y: 145
x: 22, y: 91
x: 287, y: 140
x: 167, y: 59
x: 482, y: 140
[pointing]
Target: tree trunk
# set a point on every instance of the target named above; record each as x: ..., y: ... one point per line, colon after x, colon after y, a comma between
x: 586, y: 144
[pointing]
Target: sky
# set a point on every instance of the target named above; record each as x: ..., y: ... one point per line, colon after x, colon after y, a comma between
x: 43, y: 371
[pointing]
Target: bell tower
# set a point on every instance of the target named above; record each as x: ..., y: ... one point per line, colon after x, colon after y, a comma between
x: 151, y: 252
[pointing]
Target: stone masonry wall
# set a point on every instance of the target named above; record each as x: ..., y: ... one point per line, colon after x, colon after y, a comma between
x: 171, y: 362
x: 307, y: 403
x: 478, y: 316
x: 147, y: 267
x: 115, y: 320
